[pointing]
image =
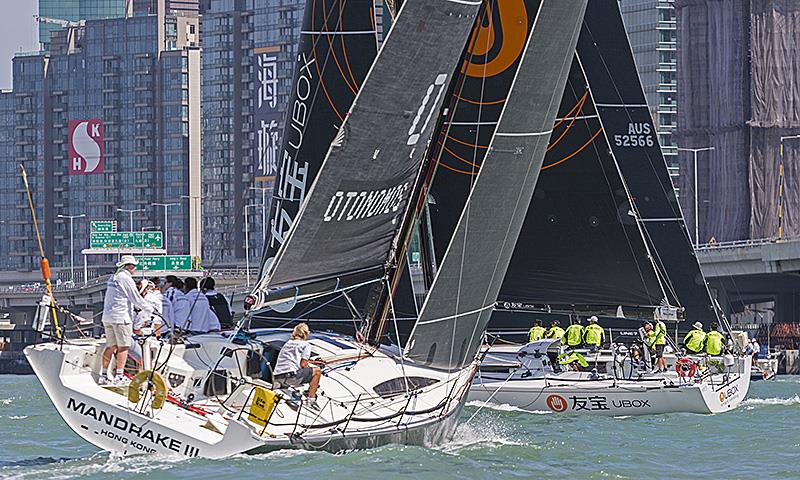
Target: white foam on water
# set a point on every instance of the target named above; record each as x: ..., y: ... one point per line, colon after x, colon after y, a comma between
x: 795, y: 400
x: 6, y: 401
x: 484, y: 434
x: 504, y: 407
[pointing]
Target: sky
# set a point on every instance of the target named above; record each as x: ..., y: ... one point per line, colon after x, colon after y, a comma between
x: 17, y: 32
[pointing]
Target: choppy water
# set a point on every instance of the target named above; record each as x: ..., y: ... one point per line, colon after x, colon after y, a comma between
x: 760, y: 440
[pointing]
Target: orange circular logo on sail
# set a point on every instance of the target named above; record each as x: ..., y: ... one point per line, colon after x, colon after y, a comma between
x: 557, y: 403
x: 498, y: 39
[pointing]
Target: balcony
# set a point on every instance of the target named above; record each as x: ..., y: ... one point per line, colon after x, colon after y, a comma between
x: 667, y: 25
x: 667, y: 67
x: 667, y: 88
x: 667, y: 108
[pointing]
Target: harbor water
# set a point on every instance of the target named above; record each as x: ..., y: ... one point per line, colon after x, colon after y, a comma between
x: 759, y: 440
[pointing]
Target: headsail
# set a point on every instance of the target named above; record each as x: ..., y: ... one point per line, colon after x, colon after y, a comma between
x: 347, y: 225
x: 463, y: 295
x: 607, y: 60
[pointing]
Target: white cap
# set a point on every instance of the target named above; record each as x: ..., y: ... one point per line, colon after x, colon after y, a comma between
x: 127, y: 260
x: 145, y: 284
x: 698, y: 325
x: 592, y: 319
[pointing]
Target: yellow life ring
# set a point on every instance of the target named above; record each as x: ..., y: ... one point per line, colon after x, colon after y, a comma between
x: 156, y: 385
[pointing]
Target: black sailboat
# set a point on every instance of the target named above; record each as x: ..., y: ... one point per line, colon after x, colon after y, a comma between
x: 604, y: 230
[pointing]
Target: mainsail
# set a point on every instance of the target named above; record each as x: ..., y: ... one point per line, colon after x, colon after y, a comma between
x: 347, y: 226
x: 337, y: 47
x: 463, y: 295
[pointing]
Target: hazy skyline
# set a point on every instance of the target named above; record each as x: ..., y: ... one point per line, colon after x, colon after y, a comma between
x: 17, y: 32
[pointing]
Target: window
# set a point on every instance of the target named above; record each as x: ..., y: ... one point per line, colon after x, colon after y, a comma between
x: 397, y: 386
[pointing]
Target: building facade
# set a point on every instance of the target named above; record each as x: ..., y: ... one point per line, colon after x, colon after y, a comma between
x: 73, y: 11
x: 652, y: 30
x: 125, y: 90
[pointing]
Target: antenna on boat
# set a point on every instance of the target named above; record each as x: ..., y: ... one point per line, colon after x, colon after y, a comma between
x: 45, y: 264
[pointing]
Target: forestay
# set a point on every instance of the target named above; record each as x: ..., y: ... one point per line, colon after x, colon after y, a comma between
x: 463, y: 295
x: 348, y: 222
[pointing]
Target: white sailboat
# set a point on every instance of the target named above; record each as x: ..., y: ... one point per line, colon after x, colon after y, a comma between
x: 211, y: 395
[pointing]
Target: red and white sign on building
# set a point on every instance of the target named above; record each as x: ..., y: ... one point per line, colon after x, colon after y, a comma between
x: 86, y: 147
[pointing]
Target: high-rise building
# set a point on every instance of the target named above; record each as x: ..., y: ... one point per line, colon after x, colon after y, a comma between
x: 108, y: 119
x: 52, y: 11
x: 651, y: 28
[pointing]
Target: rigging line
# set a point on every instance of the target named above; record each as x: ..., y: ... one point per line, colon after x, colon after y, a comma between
x: 462, y: 314
x: 397, y: 335
x: 332, y: 50
x: 490, y: 397
x: 588, y: 142
x: 338, y: 32
x: 481, y: 102
x: 569, y: 125
x: 316, y: 66
x: 578, y: 106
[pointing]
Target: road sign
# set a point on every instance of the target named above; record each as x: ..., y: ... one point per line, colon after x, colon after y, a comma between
x: 122, y: 240
x: 104, y: 226
x: 165, y: 262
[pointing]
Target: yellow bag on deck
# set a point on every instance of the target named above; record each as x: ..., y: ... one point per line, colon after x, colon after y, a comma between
x: 263, y: 404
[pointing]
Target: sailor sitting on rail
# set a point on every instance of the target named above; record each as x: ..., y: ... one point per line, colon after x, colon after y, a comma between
x: 294, y: 368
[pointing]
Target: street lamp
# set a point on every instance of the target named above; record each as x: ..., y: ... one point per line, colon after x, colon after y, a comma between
x: 71, y: 245
x: 124, y: 210
x: 165, y: 205
x: 247, y: 241
x: 263, y: 213
x: 694, y: 152
x: 780, y: 186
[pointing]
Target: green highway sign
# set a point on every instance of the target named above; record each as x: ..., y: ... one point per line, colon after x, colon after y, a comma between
x: 104, y: 226
x: 164, y: 262
x: 118, y: 240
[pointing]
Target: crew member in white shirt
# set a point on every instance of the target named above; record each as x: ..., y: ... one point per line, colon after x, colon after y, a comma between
x: 120, y: 299
x: 173, y: 290
x: 201, y: 318
x: 150, y: 316
x: 294, y: 366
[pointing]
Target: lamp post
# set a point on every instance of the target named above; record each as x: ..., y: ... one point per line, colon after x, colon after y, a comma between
x: 71, y: 245
x: 125, y: 210
x: 165, y: 205
x: 263, y: 214
x: 780, y: 186
x: 696, y: 224
x: 247, y: 241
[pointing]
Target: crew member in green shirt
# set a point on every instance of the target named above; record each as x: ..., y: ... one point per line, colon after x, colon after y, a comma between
x: 694, y: 340
x: 657, y: 340
x: 556, y: 331
x: 715, y: 341
x: 537, y: 332
x: 593, y: 334
x: 574, y: 333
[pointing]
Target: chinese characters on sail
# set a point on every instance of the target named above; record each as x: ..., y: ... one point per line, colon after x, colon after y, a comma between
x: 267, y: 113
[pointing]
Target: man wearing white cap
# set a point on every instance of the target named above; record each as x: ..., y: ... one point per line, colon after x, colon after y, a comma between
x: 120, y: 299
x: 695, y: 339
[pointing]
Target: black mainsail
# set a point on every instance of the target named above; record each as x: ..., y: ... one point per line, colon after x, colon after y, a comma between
x: 338, y: 44
x: 347, y: 227
x: 462, y: 297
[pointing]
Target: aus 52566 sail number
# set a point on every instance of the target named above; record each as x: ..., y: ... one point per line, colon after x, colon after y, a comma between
x: 639, y: 135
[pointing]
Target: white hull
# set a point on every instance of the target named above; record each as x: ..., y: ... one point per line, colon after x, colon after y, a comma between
x: 104, y: 416
x: 583, y: 393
